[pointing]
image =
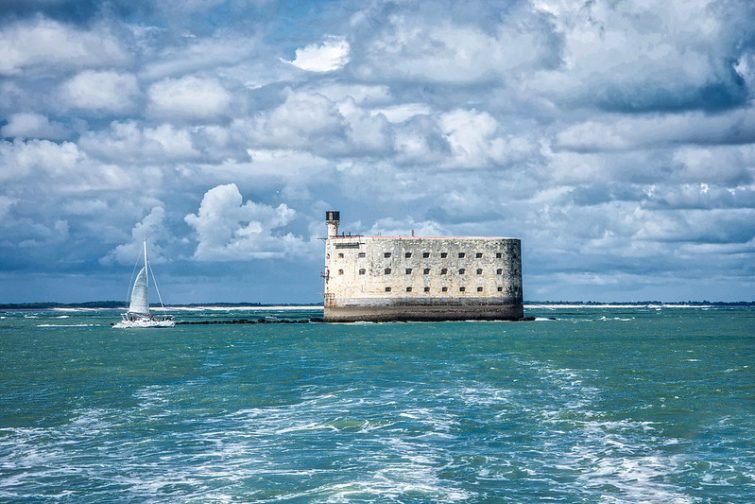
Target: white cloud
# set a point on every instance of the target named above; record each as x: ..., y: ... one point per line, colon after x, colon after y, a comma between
x: 230, y: 230
x: 106, y: 91
x: 622, y: 56
x: 331, y: 55
x: 32, y: 125
x: 128, y: 141
x: 304, y: 120
x: 619, y: 132
x: 364, y: 95
x: 727, y: 165
x: 21, y: 159
x: 367, y: 133
x: 189, y: 97
x: 60, y: 169
x: 477, y: 142
x: 394, y: 227
x: 151, y: 229
x: 199, y: 54
x: 431, y: 50
x: 46, y: 43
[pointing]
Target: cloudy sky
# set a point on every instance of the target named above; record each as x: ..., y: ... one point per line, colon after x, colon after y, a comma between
x: 615, y: 138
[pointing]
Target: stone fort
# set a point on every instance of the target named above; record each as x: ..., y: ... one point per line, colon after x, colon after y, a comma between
x: 401, y: 278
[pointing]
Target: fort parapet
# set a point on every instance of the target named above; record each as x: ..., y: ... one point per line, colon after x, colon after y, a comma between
x: 385, y: 278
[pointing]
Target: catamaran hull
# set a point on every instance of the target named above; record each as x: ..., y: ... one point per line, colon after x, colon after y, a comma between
x: 143, y: 324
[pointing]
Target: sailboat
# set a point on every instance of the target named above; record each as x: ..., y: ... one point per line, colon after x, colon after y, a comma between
x: 138, y: 315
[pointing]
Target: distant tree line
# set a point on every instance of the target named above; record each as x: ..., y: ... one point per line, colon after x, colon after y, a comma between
x: 642, y: 303
x: 121, y: 304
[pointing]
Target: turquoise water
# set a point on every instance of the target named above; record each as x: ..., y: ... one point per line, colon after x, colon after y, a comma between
x: 614, y: 405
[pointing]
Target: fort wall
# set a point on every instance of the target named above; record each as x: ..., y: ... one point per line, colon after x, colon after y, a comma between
x: 381, y: 278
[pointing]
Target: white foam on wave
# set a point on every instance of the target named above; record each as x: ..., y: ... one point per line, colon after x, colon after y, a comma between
x: 627, y: 456
x: 637, y: 478
x: 437, y: 421
x: 67, y: 325
x: 625, y: 306
x: 74, y: 310
x: 617, y: 460
x: 480, y: 394
x: 51, y: 455
x: 408, y: 467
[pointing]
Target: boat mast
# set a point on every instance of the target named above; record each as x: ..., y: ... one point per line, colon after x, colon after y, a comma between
x: 146, y: 267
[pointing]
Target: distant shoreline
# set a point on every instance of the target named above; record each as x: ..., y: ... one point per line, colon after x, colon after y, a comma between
x: 117, y: 305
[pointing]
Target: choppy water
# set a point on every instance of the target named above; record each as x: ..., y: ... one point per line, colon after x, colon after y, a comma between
x: 612, y: 405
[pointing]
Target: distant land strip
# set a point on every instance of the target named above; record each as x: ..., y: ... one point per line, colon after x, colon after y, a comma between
x: 121, y: 305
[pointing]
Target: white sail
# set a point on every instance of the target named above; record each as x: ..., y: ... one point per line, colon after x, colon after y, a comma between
x: 138, y: 309
x: 139, y: 295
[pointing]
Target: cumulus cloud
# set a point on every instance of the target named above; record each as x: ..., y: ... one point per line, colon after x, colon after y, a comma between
x: 617, y: 132
x: 305, y: 119
x: 331, y: 55
x: 393, y: 227
x: 20, y: 159
x: 32, y: 125
x: 190, y: 97
x: 151, y: 229
x: 129, y: 141
x: 229, y: 229
x: 629, y: 56
x: 418, y: 48
x: 46, y: 43
x: 106, y: 91
x: 476, y: 142
x: 36, y: 167
x: 198, y: 54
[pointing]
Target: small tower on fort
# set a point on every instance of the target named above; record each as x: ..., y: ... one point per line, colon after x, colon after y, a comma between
x: 332, y: 218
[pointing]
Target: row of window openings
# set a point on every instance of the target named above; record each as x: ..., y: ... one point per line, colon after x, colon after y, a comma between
x: 443, y: 289
x: 426, y: 271
x: 425, y: 255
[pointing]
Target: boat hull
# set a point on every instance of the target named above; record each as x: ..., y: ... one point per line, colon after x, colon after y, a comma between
x: 144, y: 323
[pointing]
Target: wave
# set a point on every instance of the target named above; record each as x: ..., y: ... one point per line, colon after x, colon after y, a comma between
x: 67, y: 325
x: 616, y: 306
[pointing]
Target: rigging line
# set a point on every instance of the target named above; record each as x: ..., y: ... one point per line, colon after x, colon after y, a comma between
x: 154, y: 281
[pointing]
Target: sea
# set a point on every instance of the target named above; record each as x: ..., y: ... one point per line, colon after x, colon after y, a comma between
x: 585, y: 404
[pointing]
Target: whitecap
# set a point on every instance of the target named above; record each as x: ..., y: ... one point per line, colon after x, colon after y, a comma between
x: 66, y: 325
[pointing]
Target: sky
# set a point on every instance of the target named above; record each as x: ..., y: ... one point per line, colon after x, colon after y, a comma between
x: 615, y: 138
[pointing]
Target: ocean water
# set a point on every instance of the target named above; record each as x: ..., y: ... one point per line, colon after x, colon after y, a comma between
x: 599, y: 404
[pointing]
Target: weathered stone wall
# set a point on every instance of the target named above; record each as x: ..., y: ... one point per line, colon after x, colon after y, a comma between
x: 422, y: 278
